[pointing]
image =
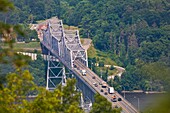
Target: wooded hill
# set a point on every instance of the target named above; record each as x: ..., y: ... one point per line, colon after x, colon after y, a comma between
x: 135, y: 33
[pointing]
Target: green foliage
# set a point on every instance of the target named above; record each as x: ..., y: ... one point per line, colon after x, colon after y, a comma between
x: 5, y: 5
x: 158, y: 74
x: 132, y: 78
x: 19, y: 86
x: 70, y: 99
x: 101, y: 64
x: 112, y: 67
x: 37, y: 69
x: 13, y: 95
x: 101, y: 105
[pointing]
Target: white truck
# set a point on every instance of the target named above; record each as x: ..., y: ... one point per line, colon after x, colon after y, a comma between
x: 83, y: 72
x: 111, y: 90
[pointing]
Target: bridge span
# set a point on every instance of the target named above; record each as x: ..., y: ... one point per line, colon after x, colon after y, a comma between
x: 66, y: 46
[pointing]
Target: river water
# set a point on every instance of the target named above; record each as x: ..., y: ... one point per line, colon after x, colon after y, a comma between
x: 142, y: 101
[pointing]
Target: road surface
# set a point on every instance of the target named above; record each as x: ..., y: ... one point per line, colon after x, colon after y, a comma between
x: 126, y: 106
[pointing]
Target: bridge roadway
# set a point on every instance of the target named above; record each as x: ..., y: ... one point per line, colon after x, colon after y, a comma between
x: 125, y: 105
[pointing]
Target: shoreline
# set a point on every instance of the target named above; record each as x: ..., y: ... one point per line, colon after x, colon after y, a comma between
x: 141, y: 91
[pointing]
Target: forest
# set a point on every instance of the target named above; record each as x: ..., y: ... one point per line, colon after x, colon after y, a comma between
x: 134, y: 33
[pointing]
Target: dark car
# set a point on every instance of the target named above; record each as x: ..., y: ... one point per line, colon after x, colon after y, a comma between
x: 114, y: 100
x: 101, y: 90
x: 93, y: 77
x: 119, y: 99
x: 105, y: 93
x: 75, y: 66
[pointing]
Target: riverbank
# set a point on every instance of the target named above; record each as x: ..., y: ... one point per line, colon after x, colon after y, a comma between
x: 141, y: 91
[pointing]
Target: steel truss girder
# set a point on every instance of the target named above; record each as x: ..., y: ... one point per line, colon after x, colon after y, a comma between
x: 52, y: 76
x: 64, y: 39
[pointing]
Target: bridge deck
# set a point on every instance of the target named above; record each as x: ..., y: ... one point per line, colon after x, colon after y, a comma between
x: 127, y: 108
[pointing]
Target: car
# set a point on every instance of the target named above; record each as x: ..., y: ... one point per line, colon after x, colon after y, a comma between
x: 105, y: 93
x: 93, y: 77
x: 119, y: 99
x: 75, y: 66
x: 114, y: 99
x: 95, y: 85
x: 83, y: 72
x: 100, y: 83
x: 104, y: 84
x: 101, y: 90
x: 114, y: 96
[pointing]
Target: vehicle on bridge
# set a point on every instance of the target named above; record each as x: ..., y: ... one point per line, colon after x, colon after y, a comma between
x: 93, y: 77
x: 114, y: 99
x: 119, y: 99
x: 83, y: 72
x: 105, y: 93
x: 101, y: 90
x: 111, y: 90
x: 104, y: 84
x: 95, y: 84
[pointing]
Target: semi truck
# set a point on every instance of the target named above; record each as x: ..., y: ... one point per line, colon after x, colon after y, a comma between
x: 111, y: 90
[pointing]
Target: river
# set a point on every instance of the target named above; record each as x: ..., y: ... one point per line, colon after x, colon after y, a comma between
x: 142, y: 101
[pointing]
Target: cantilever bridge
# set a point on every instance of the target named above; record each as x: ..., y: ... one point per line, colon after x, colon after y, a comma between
x: 65, y: 45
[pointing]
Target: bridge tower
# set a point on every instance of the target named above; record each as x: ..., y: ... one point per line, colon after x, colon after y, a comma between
x: 55, y: 73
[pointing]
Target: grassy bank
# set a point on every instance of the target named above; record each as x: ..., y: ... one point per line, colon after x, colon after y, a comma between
x: 35, y: 45
x: 26, y: 47
x: 102, y: 57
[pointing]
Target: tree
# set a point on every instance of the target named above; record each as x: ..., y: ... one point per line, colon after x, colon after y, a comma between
x: 112, y: 67
x: 5, y: 5
x: 101, y: 64
x: 37, y: 69
x: 101, y: 105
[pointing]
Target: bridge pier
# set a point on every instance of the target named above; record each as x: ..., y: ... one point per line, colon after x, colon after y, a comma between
x: 55, y: 73
x: 87, y: 91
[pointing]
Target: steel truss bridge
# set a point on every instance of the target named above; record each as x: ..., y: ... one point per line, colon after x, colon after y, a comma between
x: 65, y: 45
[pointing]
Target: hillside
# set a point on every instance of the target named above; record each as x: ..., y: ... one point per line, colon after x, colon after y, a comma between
x: 133, y: 33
